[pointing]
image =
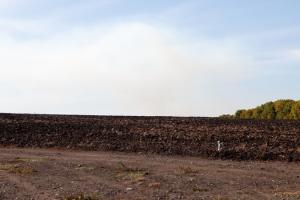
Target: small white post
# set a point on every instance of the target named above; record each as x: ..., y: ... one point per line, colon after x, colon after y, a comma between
x: 219, y: 146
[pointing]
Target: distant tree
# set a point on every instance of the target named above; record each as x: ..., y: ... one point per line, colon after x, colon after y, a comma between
x: 244, y: 114
x: 287, y: 110
x: 257, y: 112
x: 238, y: 113
x: 268, y: 111
x: 248, y: 114
x: 295, y: 111
x: 282, y: 108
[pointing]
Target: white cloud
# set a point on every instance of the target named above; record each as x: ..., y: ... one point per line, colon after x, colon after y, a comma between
x: 129, y: 68
x: 294, y: 54
x: 22, y: 26
x: 9, y: 4
x: 5, y: 3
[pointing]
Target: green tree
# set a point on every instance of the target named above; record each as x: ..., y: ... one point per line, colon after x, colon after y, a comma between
x: 295, y: 111
x: 283, y: 108
x: 280, y: 109
x: 239, y: 113
x: 268, y: 111
x: 287, y: 110
x: 248, y: 114
x: 257, y: 112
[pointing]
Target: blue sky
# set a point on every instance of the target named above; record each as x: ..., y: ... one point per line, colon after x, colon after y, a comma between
x: 131, y: 57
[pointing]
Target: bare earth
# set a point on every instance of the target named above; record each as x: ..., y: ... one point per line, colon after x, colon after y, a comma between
x: 58, y: 174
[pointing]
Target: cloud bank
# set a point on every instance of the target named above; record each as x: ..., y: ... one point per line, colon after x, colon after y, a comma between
x: 129, y: 68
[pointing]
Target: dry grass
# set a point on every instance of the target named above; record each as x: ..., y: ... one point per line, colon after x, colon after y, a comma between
x: 17, y: 169
x: 132, y: 174
x: 82, y: 197
x: 19, y: 166
x: 197, y: 188
x: 136, y: 176
x: 84, y: 167
x: 221, y: 198
x: 288, y: 195
x: 186, y: 170
x: 6, y: 167
x: 125, y: 168
x: 31, y: 160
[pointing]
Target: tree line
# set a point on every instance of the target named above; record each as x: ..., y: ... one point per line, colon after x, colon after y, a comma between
x: 280, y: 109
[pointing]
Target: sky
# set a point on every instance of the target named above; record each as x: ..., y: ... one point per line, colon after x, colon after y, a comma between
x: 133, y: 57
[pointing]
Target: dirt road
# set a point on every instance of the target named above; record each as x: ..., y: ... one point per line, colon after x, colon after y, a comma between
x: 56, y: 174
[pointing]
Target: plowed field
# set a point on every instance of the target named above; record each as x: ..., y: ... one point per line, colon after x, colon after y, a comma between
x: 239, y: 139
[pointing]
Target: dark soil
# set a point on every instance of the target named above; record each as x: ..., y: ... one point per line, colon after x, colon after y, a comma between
x: 241, y: 139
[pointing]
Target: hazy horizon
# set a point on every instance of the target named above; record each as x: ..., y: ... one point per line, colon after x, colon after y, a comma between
x: 130, y: 57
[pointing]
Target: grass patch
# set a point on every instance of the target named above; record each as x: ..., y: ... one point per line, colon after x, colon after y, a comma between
x: 199, y: 189
x: 125, y: 168
x: 82, y: 197
x: 289, y: 195
x: 31, y: 160
x: 84, y: 167
x: 136, y: 176
x: 16, y: 169
x: 186, y: 170
x: 221, y: 198
x: 132, y: 174
x: 6, y: 167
